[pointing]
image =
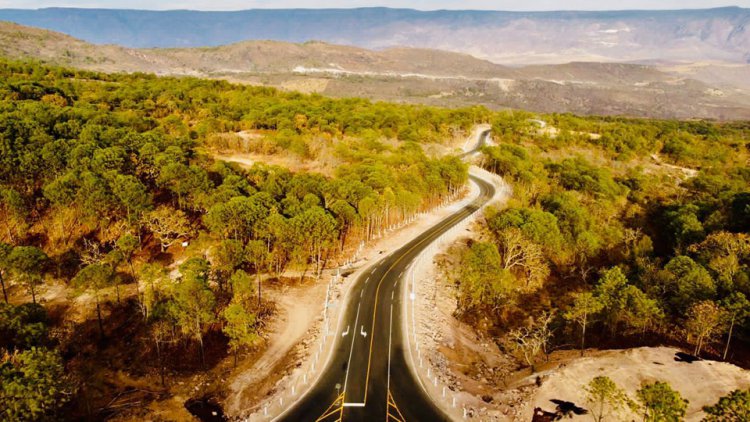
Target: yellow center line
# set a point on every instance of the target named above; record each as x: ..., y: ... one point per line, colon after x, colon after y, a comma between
x: 448, y: 222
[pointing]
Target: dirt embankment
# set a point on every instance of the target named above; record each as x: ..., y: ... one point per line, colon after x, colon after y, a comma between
x: 494, y: 386
x: 701, y: 382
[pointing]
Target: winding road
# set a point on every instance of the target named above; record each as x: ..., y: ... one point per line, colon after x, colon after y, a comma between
x: 367, y: 377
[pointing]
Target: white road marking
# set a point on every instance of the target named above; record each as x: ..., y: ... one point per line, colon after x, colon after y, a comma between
x: 390, y: 333
x: 354, y: 405
x: 351, y: 350
x: 404, y: 307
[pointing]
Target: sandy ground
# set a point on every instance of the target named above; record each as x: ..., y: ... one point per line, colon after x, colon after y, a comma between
x: 306, y: 85
x: 295, y: 164
x: 701, y: 382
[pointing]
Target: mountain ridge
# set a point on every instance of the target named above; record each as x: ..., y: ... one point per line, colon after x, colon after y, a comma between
x: 425, y: 76
x: 719, y: 34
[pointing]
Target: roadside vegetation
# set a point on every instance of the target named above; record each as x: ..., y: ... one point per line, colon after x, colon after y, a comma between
x: 621, y: 233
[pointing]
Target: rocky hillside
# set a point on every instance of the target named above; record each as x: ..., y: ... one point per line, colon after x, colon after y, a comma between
x: 503, y: 37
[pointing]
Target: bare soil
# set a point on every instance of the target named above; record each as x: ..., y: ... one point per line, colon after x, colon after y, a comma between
x: 701, y: 382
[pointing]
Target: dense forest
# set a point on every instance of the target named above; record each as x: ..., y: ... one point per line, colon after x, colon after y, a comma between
x: 621, y: 232
x: 108, y: 188
x: 103, y: 177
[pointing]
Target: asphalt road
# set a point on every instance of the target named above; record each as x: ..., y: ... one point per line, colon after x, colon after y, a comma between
x: 369, y: 358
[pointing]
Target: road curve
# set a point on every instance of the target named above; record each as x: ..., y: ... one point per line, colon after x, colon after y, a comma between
x: 367, y: 376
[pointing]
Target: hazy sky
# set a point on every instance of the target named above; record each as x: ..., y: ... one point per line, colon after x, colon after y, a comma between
x: 416, y: 4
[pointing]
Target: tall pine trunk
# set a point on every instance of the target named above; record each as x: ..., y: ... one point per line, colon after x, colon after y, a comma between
x: 160, y: 361
x: 99, y: 315
x: 33, y: 291
x: 200, y: 342
x: 729, y: 339
x: 583, y: 337
x: 2, y: 282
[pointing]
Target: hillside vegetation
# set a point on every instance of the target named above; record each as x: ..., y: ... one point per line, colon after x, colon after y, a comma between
x: 102, y: 178
x: 606, y: 245
x: 133, y: 264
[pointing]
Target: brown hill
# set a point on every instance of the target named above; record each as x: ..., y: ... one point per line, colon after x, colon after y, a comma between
x: 416, y: 75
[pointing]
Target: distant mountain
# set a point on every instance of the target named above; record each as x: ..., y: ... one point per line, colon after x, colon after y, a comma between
x: 417, y: 75
x: 721, y: 34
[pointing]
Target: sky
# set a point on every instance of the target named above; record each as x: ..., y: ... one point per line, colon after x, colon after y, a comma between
x: 513, y: 5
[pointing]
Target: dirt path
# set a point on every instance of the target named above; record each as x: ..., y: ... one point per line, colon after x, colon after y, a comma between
x: 687, y: 172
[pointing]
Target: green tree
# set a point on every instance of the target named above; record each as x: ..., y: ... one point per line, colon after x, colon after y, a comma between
x: 132, y: 194
x: 688, y: 282
x: 585, y: 306
x: 660, y: 403
x: 13, y: 214
x: 703, y: 322
x: 539, y: 226
x: 611, y: 292
x: 33, y: 385
x: 153, y: 276
x: 683, y: 225
x: 95, y: 278
x: 236, y: 219
x: 605, y: 398
x: 724, y: 253
x: 188, y: 182
x: 482, y: 281
x: 23, y: 326
x: 27, y: 264
x: 239, y: 326
x: 641, y: 312
x: 193, y: 302
x: 127, y: 245
x: 257, y: 253
x: 734, y: 407
x: 737, y: 309
x: 228, y: 255
x: 315, y: 230
x: 242, y: 287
